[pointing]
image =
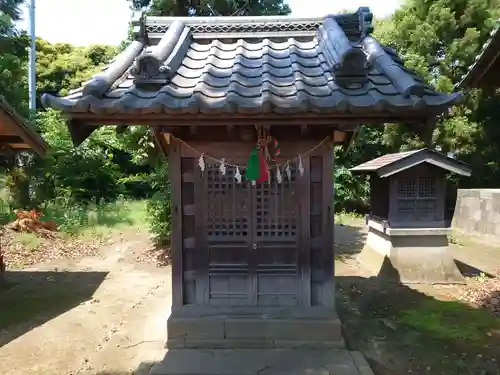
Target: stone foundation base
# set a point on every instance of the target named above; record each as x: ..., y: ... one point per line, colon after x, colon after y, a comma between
x: 252, y: 328
x: 412, y: 256
x: 262, y: 362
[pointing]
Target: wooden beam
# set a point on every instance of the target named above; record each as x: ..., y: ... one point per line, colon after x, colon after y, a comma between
x: 167, y: 137
x: 247, y: 134
x: 239, y: 120
x: 18, y: 132
x: 11, y: 139
x: 339, y: 136
x: 161, y: 142
x: 19, y: 146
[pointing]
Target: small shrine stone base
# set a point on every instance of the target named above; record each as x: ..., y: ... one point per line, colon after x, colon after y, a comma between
x: 410, y: 255
x: 254, y: 328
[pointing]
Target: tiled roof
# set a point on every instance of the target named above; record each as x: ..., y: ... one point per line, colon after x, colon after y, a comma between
x: 253, y: 66
x: 489, y: 54
x: 12, y: 124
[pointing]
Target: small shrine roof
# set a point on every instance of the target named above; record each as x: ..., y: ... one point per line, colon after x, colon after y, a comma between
x: 390, y: 164
x: 253, y: 66
x: 16, y: 133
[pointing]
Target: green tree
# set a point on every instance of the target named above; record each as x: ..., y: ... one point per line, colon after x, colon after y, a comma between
x: 440, y: 39
x: 62, y: 67
x: 213, y: 7
x: 12, y: 70
x: 13, y: 56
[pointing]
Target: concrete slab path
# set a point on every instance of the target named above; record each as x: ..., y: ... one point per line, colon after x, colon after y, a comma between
x: 262, y: 362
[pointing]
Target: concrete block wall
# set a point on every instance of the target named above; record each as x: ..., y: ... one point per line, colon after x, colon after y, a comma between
x: 477, y: 211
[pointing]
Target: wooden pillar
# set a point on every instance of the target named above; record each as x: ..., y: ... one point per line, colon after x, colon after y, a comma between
x: 328, y: 228
x: 174, y: 165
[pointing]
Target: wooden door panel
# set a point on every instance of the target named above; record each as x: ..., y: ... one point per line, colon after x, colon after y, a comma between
x: 275, y: 234
x: 229, y: 274
x: 228, y: 238
x: 277, y: 274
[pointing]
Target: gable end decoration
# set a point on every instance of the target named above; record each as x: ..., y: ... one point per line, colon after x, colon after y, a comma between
x: 157, y: 65
x: 346, y: 58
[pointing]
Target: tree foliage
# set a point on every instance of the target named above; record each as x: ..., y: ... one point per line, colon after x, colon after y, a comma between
x: 213, y: 7
x: 439, y: 39
x: 13, y: 55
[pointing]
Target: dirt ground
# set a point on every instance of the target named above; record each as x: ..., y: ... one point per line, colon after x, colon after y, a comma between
x: 108, y: 315
x: 419, y: 329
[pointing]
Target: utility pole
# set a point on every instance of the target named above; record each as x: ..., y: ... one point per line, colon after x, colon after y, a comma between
x: 32, y: 58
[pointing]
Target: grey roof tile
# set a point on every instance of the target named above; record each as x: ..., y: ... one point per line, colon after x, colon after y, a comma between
x: 334, y: 70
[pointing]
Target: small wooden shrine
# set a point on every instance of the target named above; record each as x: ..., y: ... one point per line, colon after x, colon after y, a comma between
x: 247, y: 110
x: 15, y: 135
x: 407, y: 231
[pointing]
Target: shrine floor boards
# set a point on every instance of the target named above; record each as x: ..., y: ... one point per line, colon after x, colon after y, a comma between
x: 261, y: 362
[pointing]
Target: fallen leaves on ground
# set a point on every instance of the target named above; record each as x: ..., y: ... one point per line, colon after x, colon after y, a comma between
x: 17, y: 255
x: 484, y: 292
x: 29, y: 222
x: 157, y: 255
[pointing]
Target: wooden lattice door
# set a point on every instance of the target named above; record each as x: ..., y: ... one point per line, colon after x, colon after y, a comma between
x: 228, y: 230
x: 275, y: 243
x: 253, y: 241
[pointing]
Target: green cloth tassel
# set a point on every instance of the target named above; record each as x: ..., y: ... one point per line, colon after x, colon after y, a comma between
x: 253, y: 167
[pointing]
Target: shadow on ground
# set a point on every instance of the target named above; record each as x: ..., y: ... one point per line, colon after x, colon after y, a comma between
x: 470, y: 271
x: 401, y: 330
x: 349, y: 240
x: 33, y: 298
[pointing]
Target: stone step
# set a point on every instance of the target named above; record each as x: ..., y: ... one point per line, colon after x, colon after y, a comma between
x: 261, y: 362
x: 254, y: 331
x: 253, y: 344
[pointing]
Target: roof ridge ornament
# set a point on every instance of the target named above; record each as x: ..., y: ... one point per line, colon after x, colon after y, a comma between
x: 406, y: 83
x: 346, y: 59
x: 157, y: 65
x: 100, y: 83
x: 365, y: 25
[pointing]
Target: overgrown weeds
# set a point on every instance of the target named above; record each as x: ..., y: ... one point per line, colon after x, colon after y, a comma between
x: 78, y: 219
x: 345, y: 218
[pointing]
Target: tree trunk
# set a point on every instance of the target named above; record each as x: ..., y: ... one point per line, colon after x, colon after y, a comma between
x: 3, y: 281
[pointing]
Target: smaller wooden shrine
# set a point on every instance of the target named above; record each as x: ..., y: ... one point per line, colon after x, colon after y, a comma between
x: 407, y: 231
x: 16, y: 134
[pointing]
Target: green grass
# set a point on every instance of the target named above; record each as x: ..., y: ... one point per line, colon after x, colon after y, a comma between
x: 29, y: 240
x: 347, y: 218
x: 74, y: 219
x: 449, y: 321
x: 402, y: 330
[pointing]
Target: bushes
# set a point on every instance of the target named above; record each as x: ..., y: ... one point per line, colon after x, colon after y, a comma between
x: 73, y: 218
x: 160, y: 206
